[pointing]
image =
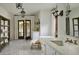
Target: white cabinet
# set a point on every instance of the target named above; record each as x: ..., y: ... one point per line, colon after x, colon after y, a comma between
x: 35, y: 35
x: 57, y: 53
x: 48, y: 50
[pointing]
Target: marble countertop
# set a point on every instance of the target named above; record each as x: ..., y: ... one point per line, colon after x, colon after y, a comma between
x: 66, y: 49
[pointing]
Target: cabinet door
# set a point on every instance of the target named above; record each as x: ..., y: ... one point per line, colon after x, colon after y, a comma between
x: 57, y: 53
x: 50, y: 50
x: 43, y: 49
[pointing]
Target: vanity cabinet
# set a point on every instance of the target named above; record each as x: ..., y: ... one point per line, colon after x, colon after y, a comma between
x: 4, y: 31
x: 57, y: 53
x: 48, y: 50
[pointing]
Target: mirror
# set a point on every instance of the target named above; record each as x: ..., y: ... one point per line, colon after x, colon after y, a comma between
x: 67, y: 26
x: 28, y: 29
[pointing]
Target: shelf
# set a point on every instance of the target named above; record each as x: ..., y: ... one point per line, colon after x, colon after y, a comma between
x: 5, y: 25
x: 4, y: 37
x: 75, y: 24
x: 76, y: 30
x: 5, y: 31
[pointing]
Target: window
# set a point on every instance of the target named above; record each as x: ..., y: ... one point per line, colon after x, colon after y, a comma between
x: 76, y: 27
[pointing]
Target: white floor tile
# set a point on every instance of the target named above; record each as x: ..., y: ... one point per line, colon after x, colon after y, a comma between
x: 20, y: 47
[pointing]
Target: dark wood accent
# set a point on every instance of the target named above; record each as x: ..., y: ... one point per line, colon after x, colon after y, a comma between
x: 78, y: 26
x: 73, y: 26
x: 56, y: 26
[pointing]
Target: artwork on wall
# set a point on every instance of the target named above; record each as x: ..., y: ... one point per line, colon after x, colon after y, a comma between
x: 37, y: 25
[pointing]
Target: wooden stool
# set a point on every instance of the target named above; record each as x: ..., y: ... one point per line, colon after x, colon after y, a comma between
x: 37, y: 45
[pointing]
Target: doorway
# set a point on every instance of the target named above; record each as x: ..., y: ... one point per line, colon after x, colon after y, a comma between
x: 24, y: 29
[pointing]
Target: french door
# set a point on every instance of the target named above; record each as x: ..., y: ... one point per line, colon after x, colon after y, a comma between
x: 27, y: 29
x: 24, y: 29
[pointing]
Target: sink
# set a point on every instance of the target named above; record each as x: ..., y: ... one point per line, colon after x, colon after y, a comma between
x: 59, y: 43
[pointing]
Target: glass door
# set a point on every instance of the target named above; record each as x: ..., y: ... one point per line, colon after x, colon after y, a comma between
x: 28, y: 29
x: 20, y: 29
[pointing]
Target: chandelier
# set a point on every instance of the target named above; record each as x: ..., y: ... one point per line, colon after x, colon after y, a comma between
x: 23, y: 13
x: 20, y: 6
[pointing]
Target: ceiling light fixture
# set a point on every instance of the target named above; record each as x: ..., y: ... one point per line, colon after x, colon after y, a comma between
x: 23, y: 13
x: 19, y: 5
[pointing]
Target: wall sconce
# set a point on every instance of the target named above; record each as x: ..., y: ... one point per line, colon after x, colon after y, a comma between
x: 55, y: 12
x: 68, y: 9
x: 61, y: 13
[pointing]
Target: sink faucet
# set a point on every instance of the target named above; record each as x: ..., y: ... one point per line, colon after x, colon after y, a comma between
x: 75, y: 42
x: 69, y: 40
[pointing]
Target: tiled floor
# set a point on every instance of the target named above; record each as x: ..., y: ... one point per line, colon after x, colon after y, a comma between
x: 20, y: 47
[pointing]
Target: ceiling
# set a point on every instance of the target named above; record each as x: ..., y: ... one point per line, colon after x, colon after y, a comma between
x: 32, y: 8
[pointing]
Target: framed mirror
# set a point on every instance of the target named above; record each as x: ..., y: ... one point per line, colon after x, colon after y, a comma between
x: 67, y: 26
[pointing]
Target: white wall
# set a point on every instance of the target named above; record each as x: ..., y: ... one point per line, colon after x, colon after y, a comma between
x: 74, y: 13
x: 16, y: 18
x: 45, y: 23
x: 36, y: 34
x: 4, y: 13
